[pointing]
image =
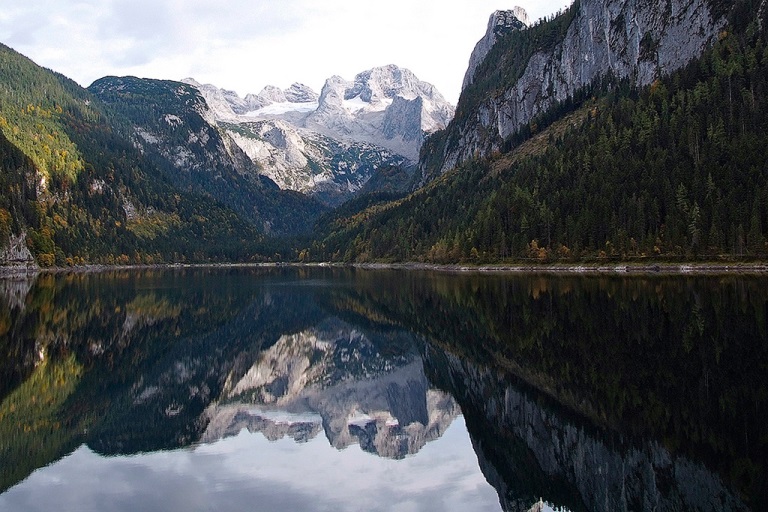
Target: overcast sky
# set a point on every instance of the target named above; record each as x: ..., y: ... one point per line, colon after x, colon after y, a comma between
x: 244, y: 45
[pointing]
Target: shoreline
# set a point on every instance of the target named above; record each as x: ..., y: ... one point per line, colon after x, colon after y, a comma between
x: 581, y: 269
x: 680, y: 269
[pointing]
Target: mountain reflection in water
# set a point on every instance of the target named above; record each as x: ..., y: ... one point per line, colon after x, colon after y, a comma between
x: 333, y: 378
x: 640, y: 393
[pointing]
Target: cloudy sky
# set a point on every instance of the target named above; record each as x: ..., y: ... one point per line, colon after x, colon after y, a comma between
x: 244, y: 45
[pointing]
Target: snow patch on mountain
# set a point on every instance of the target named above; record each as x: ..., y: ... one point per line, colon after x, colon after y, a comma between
x: 283, y: 107
x: 308, y: 162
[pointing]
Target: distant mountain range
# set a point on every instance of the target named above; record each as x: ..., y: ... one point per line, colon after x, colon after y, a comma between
x: 330, y: 144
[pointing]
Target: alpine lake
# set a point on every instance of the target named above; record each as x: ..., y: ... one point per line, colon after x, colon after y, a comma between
x: 323, y: 388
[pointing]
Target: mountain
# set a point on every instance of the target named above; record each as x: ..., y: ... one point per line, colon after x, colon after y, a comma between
x: 659, y: 157
x: 500, y: 24
x: 174, y: 126
x: 527, y: 72
x: 388, y: 106
x: 567, y: 452
x: 146, y: 358
x: 326, y: 168
x: 77, y: 190
x: 615, y: 130
x: 329, y: 145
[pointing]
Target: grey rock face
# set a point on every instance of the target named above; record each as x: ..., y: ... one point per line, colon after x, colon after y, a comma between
x: 373, y: 109
x: 308, y: 162
x: 223, y: 102
x: 331, y: 116
x: 296, y: 93
x: 15, y: 252
x: 402, y: 119
x: 501, y: 22
x: 273, y: 94
x: 630, y: 39
x: 385, y: 82
x: 300, y: 93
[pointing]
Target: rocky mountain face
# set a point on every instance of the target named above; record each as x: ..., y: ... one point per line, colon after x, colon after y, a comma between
x: 16, y: 253
x: 624, y: 39
x: 365, y: 108
x: 328, y: 169
x: 501, y: 23
x: 178, y: 125
x: 330, y: 144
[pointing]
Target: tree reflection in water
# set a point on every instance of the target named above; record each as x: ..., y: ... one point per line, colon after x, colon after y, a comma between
x: 595, y: 393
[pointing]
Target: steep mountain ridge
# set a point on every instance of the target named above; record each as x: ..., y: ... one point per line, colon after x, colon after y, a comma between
x: 500, y: 23
x: 596, y: 39
x: 173, y: 125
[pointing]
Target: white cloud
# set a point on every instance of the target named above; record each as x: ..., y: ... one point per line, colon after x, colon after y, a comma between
x: 244, y: 45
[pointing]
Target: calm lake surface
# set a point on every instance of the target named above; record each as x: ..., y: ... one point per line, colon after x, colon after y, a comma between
x: 342, y: 389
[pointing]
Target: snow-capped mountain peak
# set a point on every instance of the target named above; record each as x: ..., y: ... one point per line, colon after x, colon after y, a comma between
x: 379, y: 118
x: 273, y: 94
x: 388, y: 82
x: 300, y: 93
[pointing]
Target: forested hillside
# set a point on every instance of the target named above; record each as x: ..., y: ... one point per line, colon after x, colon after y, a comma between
x: 676, y: 169
x: 170, y: 122
x: 82, y: 193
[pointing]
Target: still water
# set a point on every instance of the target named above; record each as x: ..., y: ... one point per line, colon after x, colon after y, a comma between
x: 340, y: 389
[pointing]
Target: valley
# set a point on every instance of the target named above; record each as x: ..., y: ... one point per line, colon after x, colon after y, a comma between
x: 610, y: 132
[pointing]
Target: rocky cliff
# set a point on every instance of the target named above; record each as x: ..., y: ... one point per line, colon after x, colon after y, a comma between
x: 625, y: 39
x: 174, y: 125
x: 501, y: 23
x: 364, y: 109
x: 326, y: 168
x: 16, y: 254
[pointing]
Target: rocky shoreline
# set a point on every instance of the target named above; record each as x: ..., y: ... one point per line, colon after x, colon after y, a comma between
x: 16, y: 271
x: 664, y: 268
